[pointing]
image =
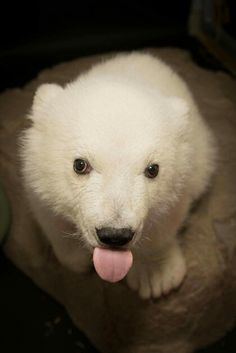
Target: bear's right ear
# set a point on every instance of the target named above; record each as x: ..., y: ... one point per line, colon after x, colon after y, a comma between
x: 44, y: 94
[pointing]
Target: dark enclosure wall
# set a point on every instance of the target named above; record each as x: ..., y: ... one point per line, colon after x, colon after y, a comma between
x: 41, y: 34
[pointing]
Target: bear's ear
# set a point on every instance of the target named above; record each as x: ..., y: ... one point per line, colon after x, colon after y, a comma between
x: 180, y: 106
x: 180, y: 112
x: 45, y: 93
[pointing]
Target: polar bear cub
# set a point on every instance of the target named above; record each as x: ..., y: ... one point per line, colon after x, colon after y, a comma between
x: 111, y: 165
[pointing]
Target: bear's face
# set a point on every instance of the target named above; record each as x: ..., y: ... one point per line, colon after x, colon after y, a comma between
x: 107, y: 154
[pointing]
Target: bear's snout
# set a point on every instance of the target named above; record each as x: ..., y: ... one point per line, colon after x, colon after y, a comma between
x: 115, y: 236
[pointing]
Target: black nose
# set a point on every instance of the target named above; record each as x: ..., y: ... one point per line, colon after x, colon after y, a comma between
x: 115, y: 236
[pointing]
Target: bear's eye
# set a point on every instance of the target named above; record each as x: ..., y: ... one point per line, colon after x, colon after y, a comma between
x: 151, y: 171
x: 81, y: 166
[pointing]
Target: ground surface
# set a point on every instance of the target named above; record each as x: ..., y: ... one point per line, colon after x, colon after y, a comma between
x: 31, y: 321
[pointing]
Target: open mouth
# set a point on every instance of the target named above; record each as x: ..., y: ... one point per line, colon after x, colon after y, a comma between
x: 112, y: 265
x: 111, y: 260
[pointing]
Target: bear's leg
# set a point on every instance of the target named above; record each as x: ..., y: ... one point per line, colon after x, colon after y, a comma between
x: 155, y: 274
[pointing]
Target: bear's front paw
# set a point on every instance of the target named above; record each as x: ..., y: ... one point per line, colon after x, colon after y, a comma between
x: 152, y: 280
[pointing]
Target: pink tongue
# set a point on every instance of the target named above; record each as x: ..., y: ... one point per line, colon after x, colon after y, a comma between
x: 112, y: 265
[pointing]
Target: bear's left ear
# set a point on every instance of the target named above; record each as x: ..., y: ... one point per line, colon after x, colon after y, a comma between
x: 45, y: 93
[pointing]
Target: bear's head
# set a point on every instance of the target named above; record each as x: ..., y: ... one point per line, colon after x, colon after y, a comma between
x: 112, y: 157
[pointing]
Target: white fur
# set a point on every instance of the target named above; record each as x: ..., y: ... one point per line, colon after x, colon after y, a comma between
x: 122, y: 115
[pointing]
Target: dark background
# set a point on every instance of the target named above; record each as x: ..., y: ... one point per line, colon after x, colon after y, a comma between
x: 39, y: 35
